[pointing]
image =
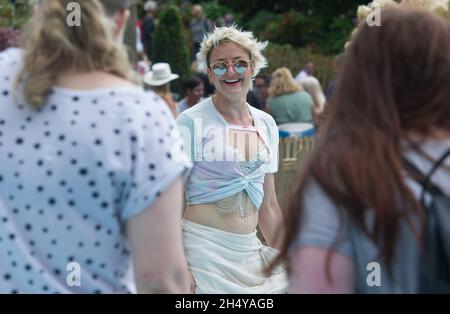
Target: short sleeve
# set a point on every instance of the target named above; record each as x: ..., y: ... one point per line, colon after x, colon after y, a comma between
x: 190, y: 135
x: 274, y: 142
x: 156, y: 155
x: 186, y: 128
x: 10, y: 62
x: 321, y: 224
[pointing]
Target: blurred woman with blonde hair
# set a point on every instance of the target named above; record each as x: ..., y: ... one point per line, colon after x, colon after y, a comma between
x: 231, y: 188
x: 287, y: 102
x: 89, y: 162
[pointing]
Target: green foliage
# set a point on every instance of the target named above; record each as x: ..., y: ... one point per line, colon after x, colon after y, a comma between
x: 324, y: 26
x: 294, y: 59
x: 340, y: 29
x: 170, y: 46
x: 302, y: 30
x: 14, y: 15
x: 295, y: 28
x: 213, y: 10
x: 248, y: 8
x: 263, y: 21
x: 12, y: 18
x: 186, y: 17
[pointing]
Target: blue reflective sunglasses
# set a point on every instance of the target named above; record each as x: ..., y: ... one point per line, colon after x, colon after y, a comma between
x: 221, y: 67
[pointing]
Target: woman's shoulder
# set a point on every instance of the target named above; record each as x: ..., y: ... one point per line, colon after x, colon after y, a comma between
x: 92, y: 80
x: 301, y: 94
x: 10, y: 60
x: 10, y: 63
x: 290, y: 96
x: 303, y: 97
x: 10, y: 54
x: 263, y: 116
x: 202, y: 109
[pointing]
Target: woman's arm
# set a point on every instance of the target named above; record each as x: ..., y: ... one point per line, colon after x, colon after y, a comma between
x: 309, y: 272
x: 173, y: 105
x: 320, y: 226
x: 156, y: 243
x: 270, y: 216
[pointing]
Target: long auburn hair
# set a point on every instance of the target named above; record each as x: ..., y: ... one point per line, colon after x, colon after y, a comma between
x: 394, y: 82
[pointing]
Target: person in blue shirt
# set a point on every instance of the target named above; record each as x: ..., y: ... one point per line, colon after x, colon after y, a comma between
x: 194, y: 90
x: 231, y: 191
x: 148, y: 27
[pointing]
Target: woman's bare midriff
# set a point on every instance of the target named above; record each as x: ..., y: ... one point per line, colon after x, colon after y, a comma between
x: 208, y: 215
x: 248, y: 143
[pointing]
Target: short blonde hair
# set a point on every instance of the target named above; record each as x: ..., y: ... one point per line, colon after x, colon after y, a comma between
x: 283, y: 83
x: 246, y: 40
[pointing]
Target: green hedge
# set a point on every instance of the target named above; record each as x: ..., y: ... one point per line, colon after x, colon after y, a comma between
x: 294, y: 59
x: 170, y: 46
x: 14, y: 16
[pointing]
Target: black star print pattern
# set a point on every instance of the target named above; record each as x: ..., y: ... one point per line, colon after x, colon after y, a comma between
x: 71, y: 174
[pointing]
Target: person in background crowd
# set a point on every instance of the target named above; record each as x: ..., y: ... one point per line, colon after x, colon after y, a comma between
x: 288, y: 102
x: 312, y: 86
x: 262, y: 83
x: 257, y: 96
x: 90, y: 178
x: 193, y: 88
x: 231, y: 189
x: 158, y: 79
x: 139, y: 44
x: 208, y: 88
x: 255, y: 99
x: 199, y: 26
x: 142, y: 65
x: 148, y: 27
x: 337, y: 63
x: 226, y: 20
x: 308, y: 70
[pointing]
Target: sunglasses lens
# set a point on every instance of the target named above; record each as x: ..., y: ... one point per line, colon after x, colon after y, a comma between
x: 220, y: 69
x: 240, y: 69
x: 241, y: 66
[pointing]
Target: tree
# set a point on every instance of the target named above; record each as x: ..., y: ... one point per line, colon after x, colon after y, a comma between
x: 322, y: 25
x: 13, y: 14
x: 170, y: 46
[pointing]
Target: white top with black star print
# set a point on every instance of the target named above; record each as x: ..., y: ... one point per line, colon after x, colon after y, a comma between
x: 71, y: 174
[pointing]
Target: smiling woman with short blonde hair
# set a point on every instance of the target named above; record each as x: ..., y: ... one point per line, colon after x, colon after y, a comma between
x: 231, y: 188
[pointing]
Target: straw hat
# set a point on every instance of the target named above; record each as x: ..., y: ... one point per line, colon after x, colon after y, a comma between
x: 159, y: 75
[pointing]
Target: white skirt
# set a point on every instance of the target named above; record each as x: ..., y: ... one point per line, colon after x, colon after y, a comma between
x: 225, y: 262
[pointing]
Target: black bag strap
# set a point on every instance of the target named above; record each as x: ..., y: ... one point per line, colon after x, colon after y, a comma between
x: 425, y: 180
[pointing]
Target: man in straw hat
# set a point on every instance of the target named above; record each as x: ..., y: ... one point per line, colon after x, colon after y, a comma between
x: 158, y: 79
